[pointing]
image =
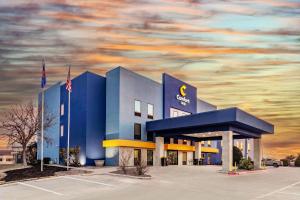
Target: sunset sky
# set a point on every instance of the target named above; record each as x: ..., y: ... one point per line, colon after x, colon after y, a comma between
x: 237, y: 53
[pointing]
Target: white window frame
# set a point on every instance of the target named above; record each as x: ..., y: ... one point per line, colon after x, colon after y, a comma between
x: 62, y: 109
x: 149, y: 115
x: 61, y: 130
x: 137, y: 107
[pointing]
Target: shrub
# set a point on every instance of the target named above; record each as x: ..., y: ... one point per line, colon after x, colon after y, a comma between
x: 285, y: 162
x: 297, y: 161
x: 125, y: 157
x: 237, y: 155
x: 141, y: 168
x: 246, y: 164
x: 46, y: 160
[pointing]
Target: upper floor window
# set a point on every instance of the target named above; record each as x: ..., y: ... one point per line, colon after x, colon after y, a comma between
x: 137, y: 108
x: 62, y: 109
x: 184, y: 142
x: 137, y: 131
x: 175, y: 141
x: 150, y: 111
x: 202, y: 143
x: 61, y: 130
x: 209, y: 143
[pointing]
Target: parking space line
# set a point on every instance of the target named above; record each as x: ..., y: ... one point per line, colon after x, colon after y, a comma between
x: 277, y: 191
x: 291, y: 193
x: 87, y: 181
x: 40, y: 188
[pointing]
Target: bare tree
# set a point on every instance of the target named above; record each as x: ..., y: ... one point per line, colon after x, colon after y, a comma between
x: 22, y: 122
x: 141, y: 168
x: 124, y: 161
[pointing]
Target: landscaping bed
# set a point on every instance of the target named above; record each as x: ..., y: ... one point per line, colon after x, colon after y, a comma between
x: 130, y: 172
x: 32, y: 172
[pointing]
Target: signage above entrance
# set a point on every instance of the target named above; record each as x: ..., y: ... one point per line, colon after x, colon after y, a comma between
x: 179, y: 95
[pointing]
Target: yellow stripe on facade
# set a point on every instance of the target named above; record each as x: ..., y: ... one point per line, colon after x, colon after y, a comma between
x: 209, y: 150
x: 128, y: 143
x: 179, y: 147
x: 151, y: 145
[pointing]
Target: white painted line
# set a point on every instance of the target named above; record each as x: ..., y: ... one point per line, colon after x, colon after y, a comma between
x: 88, y: 181
x: 40, y: 188
x: 291, y: 193
x: 277, y: 191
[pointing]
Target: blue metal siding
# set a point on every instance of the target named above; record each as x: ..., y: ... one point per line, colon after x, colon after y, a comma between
x: 136, y: 87
x: 112, y: 104
x: 52, y: 106
x: 96, y: 113
x: 78, y: 115
x: 203, y: 106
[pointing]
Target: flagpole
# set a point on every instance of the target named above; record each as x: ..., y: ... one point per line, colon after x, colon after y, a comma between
x: 68, y: 142
x: 42, y: 134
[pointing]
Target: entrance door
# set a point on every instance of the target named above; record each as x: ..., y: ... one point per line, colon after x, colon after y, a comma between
x: 184, y: 158
x: 172, y: 157
x: 150, y: 157
x: 137, y: 156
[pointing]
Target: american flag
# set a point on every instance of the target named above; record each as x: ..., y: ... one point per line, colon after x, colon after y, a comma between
x: 43, y: 80
x: 69, y: 83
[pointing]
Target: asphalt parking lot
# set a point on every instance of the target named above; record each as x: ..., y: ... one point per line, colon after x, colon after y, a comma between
x: 172, y: 182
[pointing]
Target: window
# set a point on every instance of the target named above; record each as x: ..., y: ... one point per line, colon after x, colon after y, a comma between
x: 150, y: 137
x: 137, y: 131
x: 150, y: 157
x: 175, y: 114
x: 209, y: 143
x: 171, y: 140
x: 202, y: 143
x: 0, y: 159
x: 9, y: 159
x: 61, y: 130
x: 137, y: 108
x: 184, y: 142
x: 150, y: 111
x: 62, y: 109
x: 137, y: 156
x: 249, y: 146
x: 167, y: 140
x: 175, y: 141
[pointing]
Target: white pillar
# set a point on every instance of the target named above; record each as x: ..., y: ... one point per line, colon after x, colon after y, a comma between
x: 189, y: 158
x: 198, y: 150
x: 159, y: 150
x: 180, y: 157
x: 227, y: 151
x: 257, y: 148
x: 246, y: 149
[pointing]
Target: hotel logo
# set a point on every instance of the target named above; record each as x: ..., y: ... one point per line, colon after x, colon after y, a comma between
x: 181, y: 97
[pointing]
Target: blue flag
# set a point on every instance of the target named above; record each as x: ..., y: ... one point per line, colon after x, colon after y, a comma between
x: 43, y: 80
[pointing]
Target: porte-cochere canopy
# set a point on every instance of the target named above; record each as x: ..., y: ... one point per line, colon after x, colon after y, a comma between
x: 243, y: 124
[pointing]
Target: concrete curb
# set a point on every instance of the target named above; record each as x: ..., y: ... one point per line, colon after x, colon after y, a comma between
x: 128, y: 176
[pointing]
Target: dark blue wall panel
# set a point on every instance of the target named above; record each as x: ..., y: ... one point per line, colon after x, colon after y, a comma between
x: 95, y: 134
x: 171, y: 87
x: 87, y: 128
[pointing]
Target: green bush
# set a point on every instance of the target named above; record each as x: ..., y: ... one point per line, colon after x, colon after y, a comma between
x: 237, y: 156
x: 297, y: 161
x: 246, y: 164
x: 285, y: 162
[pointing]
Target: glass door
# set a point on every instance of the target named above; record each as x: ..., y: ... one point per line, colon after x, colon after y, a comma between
x: 184, y: 158
x: 172, y: 157
x: 137, y: 156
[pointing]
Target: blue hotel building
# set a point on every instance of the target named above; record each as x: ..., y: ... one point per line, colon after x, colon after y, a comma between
x: 126, y: 113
